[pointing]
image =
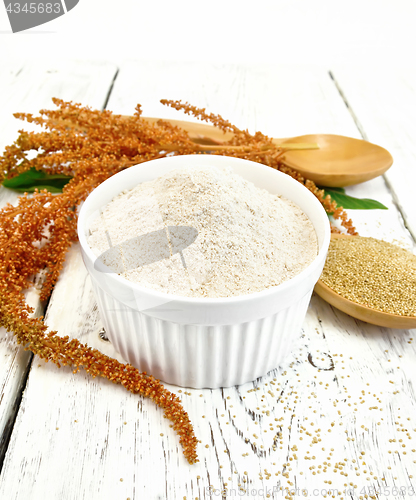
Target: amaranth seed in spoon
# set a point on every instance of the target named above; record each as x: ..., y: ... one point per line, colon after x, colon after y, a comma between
x: 372, y: 273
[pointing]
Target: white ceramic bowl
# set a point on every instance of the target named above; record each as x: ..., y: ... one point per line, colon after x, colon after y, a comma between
x: 203, y: 342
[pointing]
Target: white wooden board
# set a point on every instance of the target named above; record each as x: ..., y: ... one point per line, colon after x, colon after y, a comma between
x: 78, y: 438
x: 383, y: 100
x: 30, y: 88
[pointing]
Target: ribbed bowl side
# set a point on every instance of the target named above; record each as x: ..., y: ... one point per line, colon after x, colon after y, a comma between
x: 200, y: 356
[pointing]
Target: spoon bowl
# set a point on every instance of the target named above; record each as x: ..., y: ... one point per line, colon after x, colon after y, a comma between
x: 363, y: 313
x: 338, y: 161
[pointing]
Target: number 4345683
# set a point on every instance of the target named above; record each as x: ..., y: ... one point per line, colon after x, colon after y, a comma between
x: 34, y: 8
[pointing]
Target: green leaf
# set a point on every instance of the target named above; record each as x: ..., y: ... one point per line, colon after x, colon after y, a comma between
x: 36, y: 179
x: 337, y: 189
x: 346, y: 201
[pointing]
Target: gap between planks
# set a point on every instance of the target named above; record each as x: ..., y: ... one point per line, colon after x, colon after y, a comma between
x: 364, y: 135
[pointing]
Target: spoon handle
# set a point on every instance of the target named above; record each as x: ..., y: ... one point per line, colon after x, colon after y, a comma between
x: 198, y: 131
x: 212, y: 138
x: 337, y: 161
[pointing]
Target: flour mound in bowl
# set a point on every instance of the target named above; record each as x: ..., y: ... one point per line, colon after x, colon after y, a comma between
x: 203, y: 232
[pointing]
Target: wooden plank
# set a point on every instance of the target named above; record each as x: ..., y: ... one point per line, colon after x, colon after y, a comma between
x: 229, y: 90
x: 383, y: 101
x: 303, y: 425
x: 29, y: 88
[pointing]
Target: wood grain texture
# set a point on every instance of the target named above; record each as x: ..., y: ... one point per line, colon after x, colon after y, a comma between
x: 383, y: 103
x: 257, y: 97
x: 30, y: 88
x: 347, y: 387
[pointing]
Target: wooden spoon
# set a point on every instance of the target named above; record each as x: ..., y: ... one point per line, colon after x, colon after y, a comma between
x: 359, y: 311
x: 338, y: 161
